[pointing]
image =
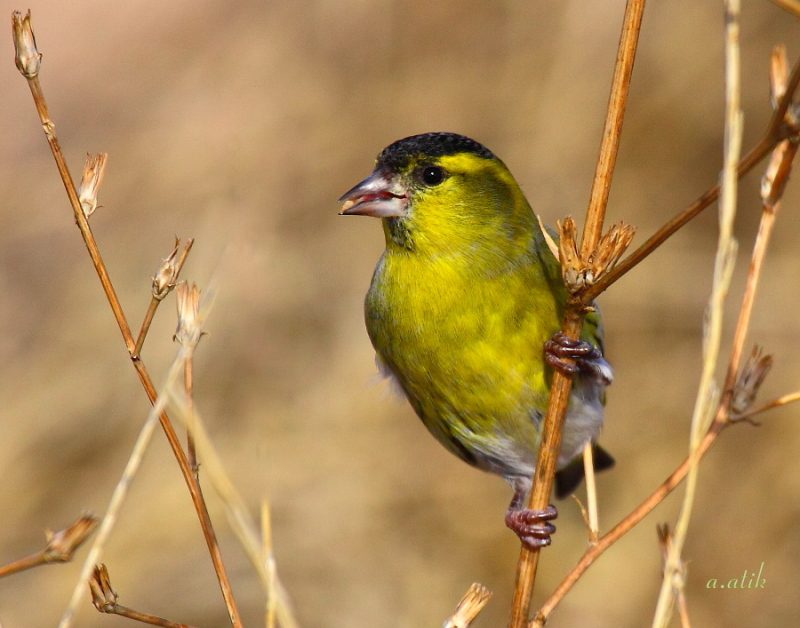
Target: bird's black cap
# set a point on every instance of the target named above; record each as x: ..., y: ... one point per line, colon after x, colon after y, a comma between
x: 396, y: 156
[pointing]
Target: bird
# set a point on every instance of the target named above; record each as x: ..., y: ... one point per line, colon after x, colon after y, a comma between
x: 464, y: 312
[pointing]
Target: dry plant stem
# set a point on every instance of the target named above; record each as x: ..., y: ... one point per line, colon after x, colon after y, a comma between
x: 60, y: 548
x: 269, y: 565
x: 148, y: 319
x: 155, y: 301
x: 188, y: 382
x: 104, y: 599
x: 707, y: 395
x: 721, y: 419
x: 591, y: 491
x: 776, y: 132
x: 34, y: 560
x: 573, y: 318
x: 790, y: 5
x: 110, y: 517
x: 780, y: 401
x: 623, y: 70
x: 83, y: 223
x: 123, y: 611
x: 238, y: 515
x: 683, y: 611
x: 623, y: 527
x: 468, y: 608
x: 119, y: 316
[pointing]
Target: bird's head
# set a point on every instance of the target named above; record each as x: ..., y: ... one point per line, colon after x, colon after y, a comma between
x: 440, y: 191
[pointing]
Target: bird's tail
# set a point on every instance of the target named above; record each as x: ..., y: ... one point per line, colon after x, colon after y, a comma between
x: 570, y: 477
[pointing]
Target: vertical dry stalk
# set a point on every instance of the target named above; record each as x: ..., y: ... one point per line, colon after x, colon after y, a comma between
x: 707, y: 396
x: 561, y: 385
x: 28, y: 60
x: 269, y: 566
x: 773, y: 185
x: 591, y: 491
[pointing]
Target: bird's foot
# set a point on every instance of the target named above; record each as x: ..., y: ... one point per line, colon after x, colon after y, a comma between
x: 531, y: 526
x: 588, y: 360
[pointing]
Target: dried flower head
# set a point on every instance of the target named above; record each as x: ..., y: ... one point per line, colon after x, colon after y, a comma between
x: 749, y: 380
x: 104, y: 597
x: 468, y: 608
x: 776, y: 176
x: 189, y: 328
x: 90, y: 182
x: 778, y: 73
x: 580, y: 273
x: 167, y: 273
x: 61, y: 545
x: 27, y: 56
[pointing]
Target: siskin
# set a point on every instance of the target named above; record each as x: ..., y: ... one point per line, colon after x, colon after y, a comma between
x: 464, y: 312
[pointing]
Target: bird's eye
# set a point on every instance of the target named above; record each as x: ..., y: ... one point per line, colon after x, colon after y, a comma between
x: 432, y: 175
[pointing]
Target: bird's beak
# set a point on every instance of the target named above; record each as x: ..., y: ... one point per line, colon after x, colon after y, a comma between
x: 377, y: 196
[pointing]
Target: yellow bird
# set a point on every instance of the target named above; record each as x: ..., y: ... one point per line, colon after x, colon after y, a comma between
x: 464, y: 312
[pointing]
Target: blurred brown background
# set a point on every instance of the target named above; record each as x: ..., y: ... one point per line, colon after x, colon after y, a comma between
x: 240, y: 124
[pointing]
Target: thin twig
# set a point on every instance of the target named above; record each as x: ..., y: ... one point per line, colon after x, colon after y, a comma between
x: 722, y: 418
x: 163, y: 282
x: 790, y: 5
x: 679, y: 578
x: 780, y: 401
x: 777, y: 130
x: 571, y: 327
x: 188, y: 335
x: 60, y: 548
x: 104, y: 599
x: 591, y: 491
x: 622, y: 528
x: 124, y: 611
x: 119, y: 494
x: 28, y: 61
x: 269, y: 565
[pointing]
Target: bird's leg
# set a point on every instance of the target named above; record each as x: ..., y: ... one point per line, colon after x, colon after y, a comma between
x: 531, y: 526
x: 588, y: 359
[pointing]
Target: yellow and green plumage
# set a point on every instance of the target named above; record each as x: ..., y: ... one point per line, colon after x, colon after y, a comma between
x: 462, y: 302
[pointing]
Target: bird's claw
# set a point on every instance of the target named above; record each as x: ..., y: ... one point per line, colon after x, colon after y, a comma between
x: 531, y: 526
x: 587, y: 358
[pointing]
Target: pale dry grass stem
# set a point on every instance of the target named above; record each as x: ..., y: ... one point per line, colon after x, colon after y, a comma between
x: 593, y: 520
x: 678, y: 576
x: 708, y: 393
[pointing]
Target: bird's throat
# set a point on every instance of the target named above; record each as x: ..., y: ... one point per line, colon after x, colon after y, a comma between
x: 397, y: 233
